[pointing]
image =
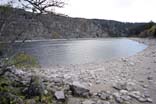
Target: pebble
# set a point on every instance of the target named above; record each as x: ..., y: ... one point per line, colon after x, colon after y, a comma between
x: 124, y: 92
x: 145, y: 86
x: 98, y: 82
x: 149, y: 100
x: 150, y: 78
x: 124, y: 59
x: 117, y: 97
x: 131, y: 63
x: 88, y: 102
x: 103, y: 95
x: 102, y: 102
x: 45, y: 92
x: 60, y: 95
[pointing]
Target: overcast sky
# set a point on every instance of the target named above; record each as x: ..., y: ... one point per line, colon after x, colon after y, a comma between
x: 120, y: 10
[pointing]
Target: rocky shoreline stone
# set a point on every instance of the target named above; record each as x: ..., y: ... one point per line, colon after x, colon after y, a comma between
x: 123, y: 93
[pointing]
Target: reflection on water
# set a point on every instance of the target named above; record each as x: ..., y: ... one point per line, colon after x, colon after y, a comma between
x: 81, y: 51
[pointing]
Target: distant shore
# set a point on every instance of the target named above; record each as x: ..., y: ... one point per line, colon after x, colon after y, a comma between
x: 42, y: 40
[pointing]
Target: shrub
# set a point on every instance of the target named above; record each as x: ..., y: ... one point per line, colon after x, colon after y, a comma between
x: 23, y: 60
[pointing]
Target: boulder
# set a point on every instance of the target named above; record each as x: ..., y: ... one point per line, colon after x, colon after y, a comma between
x: 79, y: 90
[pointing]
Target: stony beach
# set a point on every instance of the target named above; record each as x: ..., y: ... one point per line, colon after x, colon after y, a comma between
x: 135, y: 73
x: 125, y: 80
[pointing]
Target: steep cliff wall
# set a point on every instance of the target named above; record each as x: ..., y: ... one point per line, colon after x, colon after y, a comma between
x: 56, y: 26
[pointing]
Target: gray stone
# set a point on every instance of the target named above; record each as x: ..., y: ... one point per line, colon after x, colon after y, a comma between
x: 59, y: 95
x: 117, y: 97
x: 104, y: 95
x: 88, y: 102
x: 124, y: 59
x: 126, y: 97
x: 141, y: 98
x: 119, y: 86
x: 131, y: 63
x: 130, y: 86
x: 116, y: 94
x: 145, y: 86
x: 135, y: 94
x: 45, y: 92
x: 98, y: 81
x: 122, y: 96
x: 90, y: 84
x: 74, y: 101
x: 150, y: 78
x: 123, y: 92
x: 79, y: 89
x: 149, y: 100
x: 146, y: 94
x: 103, y: 102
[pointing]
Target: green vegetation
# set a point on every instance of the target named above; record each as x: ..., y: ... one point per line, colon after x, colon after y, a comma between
x: 144, y: 30
x: 152, y: 30
x: 11, y: 92
x: 55, y: 35
x: 23, y: 60
x: 8, y: 92
x: 5, y: 8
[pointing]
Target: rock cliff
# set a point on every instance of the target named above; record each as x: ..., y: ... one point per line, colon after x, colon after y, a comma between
x: 50, y: 26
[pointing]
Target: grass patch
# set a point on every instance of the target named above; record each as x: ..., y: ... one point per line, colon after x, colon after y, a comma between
x: 23, y: 60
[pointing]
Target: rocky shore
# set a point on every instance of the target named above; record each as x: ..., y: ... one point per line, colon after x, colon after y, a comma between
x: 127, y: 80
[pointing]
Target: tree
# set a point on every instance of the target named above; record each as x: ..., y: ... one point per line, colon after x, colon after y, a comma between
x: 7, y: 19
x: 41, y: 6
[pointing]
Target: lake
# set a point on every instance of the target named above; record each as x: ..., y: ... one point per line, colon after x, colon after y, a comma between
x: 81, y: 51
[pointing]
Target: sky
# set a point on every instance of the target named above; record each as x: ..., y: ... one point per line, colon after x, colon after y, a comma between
x: 120, y: 10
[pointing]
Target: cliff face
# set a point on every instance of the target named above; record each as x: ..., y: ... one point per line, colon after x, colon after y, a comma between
x: 56, y: 26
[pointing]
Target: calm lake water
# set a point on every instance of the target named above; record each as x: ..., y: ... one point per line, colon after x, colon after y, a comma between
x: 66, y: 52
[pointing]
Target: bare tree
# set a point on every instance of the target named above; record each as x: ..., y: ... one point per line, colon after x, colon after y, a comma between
x: 41, y: 6
x: 37, y: 7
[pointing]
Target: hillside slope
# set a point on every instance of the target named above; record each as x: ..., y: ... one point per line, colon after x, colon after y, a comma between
x: 57, y: 26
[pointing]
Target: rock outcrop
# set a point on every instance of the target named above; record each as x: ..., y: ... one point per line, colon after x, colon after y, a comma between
x: 49, y: 26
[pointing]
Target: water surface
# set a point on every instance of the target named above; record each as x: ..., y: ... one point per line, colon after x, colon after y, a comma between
x: 65, y: 52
